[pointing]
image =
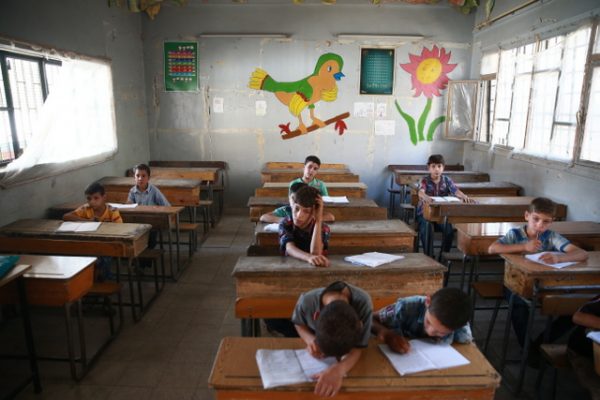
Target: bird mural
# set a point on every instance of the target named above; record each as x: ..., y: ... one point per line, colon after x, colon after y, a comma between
x: 321, y: 85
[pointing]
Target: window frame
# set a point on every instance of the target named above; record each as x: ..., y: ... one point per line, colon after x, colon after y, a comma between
x: 41, y: 63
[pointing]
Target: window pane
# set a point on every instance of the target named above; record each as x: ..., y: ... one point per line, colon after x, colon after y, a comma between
x: 489, y: 63
x: 518, y: 115
x: 52, y: 71
x: 505, y: 81
x: 550, y: 53
x: 597, y: 41
x: 500, y: 132
x: 571, y: 78
x: 542, y: 112
x: 26, y: 90
x: 2, y: 92
x: 591, y: 135
x: 562, y: 141
x: 525, y: 58
x: 6, y: 147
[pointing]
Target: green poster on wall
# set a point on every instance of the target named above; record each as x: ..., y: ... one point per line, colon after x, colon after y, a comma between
x: 377, y: 71
x: 181, y: 66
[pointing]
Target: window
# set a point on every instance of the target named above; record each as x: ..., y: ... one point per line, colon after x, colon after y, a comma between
x: 537, y: 94
x: 24, y: 86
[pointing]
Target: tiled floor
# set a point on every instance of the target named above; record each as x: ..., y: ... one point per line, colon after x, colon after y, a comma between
x: 169, y: 353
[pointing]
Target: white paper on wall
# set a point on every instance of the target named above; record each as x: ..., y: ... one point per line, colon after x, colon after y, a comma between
x: 385, y: 127
x: 261, y: 108
x: 364, y: 110
x: 218, y: 104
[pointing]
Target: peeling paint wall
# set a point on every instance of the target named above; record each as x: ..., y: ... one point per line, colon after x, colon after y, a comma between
x: 577, y: 187
x: 183, y: 126
x: 93, y: 29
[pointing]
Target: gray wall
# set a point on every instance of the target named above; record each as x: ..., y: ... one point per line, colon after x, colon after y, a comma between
x: 183, y: 126
x: 93, y: 29
x: 578, y: 188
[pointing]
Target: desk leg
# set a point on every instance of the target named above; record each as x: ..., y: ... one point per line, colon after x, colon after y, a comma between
x: 511, y: 303
x: 131, y: 290
x: 428, y: 239
x: 247, y: 328
x: 35, y: 374
x: 70, y: 349
x: 162, y: 259
x: 444, y: 228
x: 472, y: 273
x: 527, y: 344
x: 177, y: 238
x: 138, y: 276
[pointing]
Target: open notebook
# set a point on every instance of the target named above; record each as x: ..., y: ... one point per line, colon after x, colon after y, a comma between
x: 373, y: 259
x: 424, y: 356
x: 536, y: 258
x: 446, y: 199
x: 78, y: 227
x: 288, y: 367
x: 335, y: 199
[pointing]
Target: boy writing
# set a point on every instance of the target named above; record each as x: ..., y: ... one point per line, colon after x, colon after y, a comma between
x: 96, y: 209
x: 334, y: 321
x: 437, y: 184
x: 442, y: 316
x: 280, y: 213
x: 305, y: 236
x: 536, y: 237
x: 311, y: 167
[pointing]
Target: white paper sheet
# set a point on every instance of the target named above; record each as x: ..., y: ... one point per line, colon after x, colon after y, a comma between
x: 384, y: 127
x: 536, y: 258
x: 446, y: 199
x: 78, y: 227
x: 274, y: 227
x: 335, y: 199
x: 424, y: 356
x: 288, y: 367
x: 218, y: 105
x: 121, y: 205
x: 594, y: 335
x: 364, y: 110
x: 260, y: 108
x: 312, y: 366
x: 381, y: 110
x: 373, y: 259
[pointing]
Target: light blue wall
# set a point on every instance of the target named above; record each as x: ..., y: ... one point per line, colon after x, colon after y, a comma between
x: 93, y: 29
x: 577, y: 187
x: 183, y: 125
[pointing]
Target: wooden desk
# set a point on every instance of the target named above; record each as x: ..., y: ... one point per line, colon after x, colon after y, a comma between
x: 39, y: 236
x: 300, y: 165
x: 289, y: 174
x: 474, y: 239
x: 162, y: 218
x: 268, y: 287
x: 235, y: 375
x: 529, y: 280
x: 202, y: 174
x: 354, y: 210
x: 179, y: 192
x: 408, y: 177
x: 476, y: 189
x: 189, y: 164
x: 349, y: 189
x: 15, y: 276
x: 353, y: 237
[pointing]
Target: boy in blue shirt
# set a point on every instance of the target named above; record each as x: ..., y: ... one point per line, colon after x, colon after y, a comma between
x: 311, y: 168
x: 535, y: 237
x: 437, y: 184
x: 443, y: 317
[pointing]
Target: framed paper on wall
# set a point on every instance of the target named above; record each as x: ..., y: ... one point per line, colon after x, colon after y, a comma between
x: 181, y: 66
x: 376, y: 71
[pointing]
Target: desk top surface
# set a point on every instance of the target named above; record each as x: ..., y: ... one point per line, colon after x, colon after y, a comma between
x: 300, y: 171
x: 139, y: 209
x: 412, y: 262
x: 159, y: 182
x: 399, y: 171
x: 496, y: 229
x: 46, y: 228
x: 186, y: 169
x: 375, y: 227
x: 351, y: 185
x: 592, y: 265
x: 280, y: 201
x: 235, y: 369
x: 479, y: 185
x: 55, y: 267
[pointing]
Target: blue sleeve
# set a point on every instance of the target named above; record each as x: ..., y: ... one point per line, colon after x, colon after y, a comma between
x: 131, y: 196
x: 559, y: 242
x: 463, y: 335
x: 160, y: 199
x: 451, y: 186
x: 509, y: 238
x: 286, y: 234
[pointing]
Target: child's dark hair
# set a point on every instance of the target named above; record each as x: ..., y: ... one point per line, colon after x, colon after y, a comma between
x: 314, y: 159
x: 306, y: 196
x: 338, y: 329
x: 142, y: 167
x: 451, y: 306
x: 436, y: 159
x: 542, y: 205
x: 94, y: 188
x: 335, y: 287
x: 297, y: 186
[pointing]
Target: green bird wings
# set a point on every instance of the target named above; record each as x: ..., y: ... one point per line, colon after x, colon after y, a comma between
x: 303, y: 91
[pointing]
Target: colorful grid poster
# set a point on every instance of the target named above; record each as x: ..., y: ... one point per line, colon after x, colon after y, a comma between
x: 181, y: 66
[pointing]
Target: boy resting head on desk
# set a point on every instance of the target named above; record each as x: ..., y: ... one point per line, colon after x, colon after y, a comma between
x: 280, y: 213
x: 443, y: 316
x: 311, y: 168
x: 334, y: 321
x: 437, y: 184
x: 96, y: 209
x: 305, y: 236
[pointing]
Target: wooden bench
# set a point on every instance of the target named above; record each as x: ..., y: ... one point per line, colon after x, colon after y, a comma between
x: 326, y: 175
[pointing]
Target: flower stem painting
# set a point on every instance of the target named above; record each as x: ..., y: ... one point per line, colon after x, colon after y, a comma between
x: 429, y: 74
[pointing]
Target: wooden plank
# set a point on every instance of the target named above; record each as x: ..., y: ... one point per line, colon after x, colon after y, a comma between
x: 408, y: 177
x: 300, y: 165
x: 189, y: 164
x: 39, y: 236
x: 475, y: 239
x: 202, y: 174
x: 423, y: 167
x: 520, y: 273
x: 348, y: 189
x: 476, y: 189
x: 281, y: 278
x: 235, y: 375
x: 487, y: 209
x: 348, y: 236
x: 326, y: 175
x: 355, y: 209
x: 179, y: 192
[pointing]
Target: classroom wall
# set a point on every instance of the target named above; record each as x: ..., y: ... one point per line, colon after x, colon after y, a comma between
x: 184, y: 126
x: 90, y: 28
x: 576, y: 187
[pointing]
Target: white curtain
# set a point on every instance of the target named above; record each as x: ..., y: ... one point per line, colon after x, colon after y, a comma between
x: 75, y: 126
